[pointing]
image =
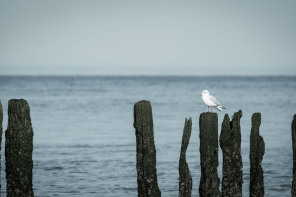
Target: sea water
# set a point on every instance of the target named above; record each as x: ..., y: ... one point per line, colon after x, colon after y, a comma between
x: 84, y: 139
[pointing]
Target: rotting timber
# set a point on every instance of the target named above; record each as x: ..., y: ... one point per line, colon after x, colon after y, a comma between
x: 146, y: 153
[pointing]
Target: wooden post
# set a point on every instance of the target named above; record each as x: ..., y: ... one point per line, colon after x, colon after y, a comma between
x: 185, y: 184
x: 1, y: 131
x: 209, y: 181
x: 293, y: 191
x: 230, y: 142
x: 146, y: 153
x: 18, y: 149
x: 257, y: 150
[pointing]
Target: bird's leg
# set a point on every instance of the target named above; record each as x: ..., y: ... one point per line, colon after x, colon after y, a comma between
x: 208, y: 109
x: 211, y: 109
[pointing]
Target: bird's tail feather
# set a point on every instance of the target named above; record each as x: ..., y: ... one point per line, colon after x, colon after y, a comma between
x: 220, y: 108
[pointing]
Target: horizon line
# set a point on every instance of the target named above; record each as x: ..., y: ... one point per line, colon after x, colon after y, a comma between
x: 147, y: 75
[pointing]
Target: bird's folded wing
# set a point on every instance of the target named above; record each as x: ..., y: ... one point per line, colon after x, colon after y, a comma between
x: 214, y: 100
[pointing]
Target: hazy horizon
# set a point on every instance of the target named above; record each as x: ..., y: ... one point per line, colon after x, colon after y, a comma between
x: 147, y: 38
x: 146, y: 75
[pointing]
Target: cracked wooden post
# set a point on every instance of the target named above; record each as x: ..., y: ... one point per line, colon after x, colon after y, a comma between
x: 1, y: 131
x: 185, y: 179
x: 293, y: 191
x: 18, y: 149
x: 209, y: 180
x: 230, y: 143
x: 146, y: 153
x: 257, y: 150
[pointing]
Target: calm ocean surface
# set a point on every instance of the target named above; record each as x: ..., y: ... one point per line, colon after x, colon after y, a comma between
x: 85, y: 144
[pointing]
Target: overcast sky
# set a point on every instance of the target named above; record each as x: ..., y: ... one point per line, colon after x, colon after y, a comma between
x: 99, y: 37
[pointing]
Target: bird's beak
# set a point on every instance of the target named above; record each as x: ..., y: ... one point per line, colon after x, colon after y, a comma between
x: 200, y: 95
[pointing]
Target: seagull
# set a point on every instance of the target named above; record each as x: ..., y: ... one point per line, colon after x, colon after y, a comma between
x: 211, y: 101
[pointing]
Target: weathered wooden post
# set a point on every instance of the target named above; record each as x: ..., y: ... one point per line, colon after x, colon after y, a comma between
x: 230, y: 142
x: 185, y: 184
x: 293, y: 191
x: 209, y: 180
x: 257, y: 150
x: 146, y: 153
x: 18, y: 149
x: 1, y: 131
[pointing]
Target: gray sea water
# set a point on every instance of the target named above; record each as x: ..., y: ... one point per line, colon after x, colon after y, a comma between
x: 85, y: 144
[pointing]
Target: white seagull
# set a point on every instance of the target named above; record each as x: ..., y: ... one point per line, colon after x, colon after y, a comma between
x: 211, y: 101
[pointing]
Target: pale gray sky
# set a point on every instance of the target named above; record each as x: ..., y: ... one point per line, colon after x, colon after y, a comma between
x: 148, y: 37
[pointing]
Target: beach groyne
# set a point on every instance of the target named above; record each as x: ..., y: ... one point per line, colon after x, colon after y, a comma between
x: 208, y: 134
x: 293, y: 127
x: 230, y: 143
x: 18, y: 149
x: 146, y: 152
x: 257, y: 150
x: 185, y: 179
x: 1, y: 132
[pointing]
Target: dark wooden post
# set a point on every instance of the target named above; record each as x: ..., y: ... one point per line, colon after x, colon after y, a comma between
x: 293, y: 191
x: 185, y: 184
x: 146, y: 153
x: 18, y: 149
x: 1, y: 131
x: 209, y: 180
x: 230, y: 142
x: 257, y: 150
